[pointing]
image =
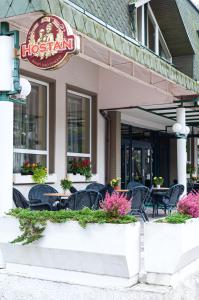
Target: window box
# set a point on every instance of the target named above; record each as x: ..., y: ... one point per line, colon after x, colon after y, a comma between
x: 27, y: 179
x: 80, y: 178
x: 171, y: 251
x: 99, y: 249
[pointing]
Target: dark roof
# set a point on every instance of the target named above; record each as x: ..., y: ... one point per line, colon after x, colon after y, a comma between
x: 112, y: 12
x: 190, y: 16
x: 172, y: 26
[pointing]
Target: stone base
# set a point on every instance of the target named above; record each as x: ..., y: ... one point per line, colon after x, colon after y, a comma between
x: 173, y: 279
x: 32, y: 283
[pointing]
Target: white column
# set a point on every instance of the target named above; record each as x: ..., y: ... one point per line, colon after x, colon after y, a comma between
x: 6, y: 156
x: 181, y: 150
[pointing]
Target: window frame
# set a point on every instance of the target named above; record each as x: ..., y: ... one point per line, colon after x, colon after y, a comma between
x: 38, y: 152
x: 76, y: 154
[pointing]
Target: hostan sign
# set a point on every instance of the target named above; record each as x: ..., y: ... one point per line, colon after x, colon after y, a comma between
x: 49, y: 43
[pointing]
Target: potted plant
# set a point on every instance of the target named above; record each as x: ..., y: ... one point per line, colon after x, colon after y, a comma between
x: 115, y: 183
x: 39, y: 174
x: 171, y: 243
x: 82, y: 167
x: 158, y: 181
x: 190, y: 170
x: 65, y: 184
x: 28, y: 168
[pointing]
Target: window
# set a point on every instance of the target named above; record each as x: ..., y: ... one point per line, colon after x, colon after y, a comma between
x: 30, y: 127
x: 149, y: 33
x: 79, y: 118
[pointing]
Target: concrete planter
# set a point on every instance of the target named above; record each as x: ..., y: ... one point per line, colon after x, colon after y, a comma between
x: 171, y: 251
x: 102, y: 249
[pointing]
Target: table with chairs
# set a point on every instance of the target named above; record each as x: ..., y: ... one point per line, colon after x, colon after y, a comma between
x: 46, y: 197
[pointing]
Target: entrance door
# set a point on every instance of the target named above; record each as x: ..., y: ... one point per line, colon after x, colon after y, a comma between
x: 136, y: 163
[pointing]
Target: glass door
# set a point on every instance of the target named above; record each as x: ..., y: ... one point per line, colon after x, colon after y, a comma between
x: 136, y: 163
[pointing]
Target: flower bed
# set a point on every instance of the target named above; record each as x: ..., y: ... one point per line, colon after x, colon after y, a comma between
x: 99, y: 244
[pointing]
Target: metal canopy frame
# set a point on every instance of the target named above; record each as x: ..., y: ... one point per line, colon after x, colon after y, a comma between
x: 169, y: 111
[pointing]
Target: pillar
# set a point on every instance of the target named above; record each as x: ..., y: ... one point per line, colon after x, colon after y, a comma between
x: 6, y: 156
x: 115, y: 145
x: 181, y: 150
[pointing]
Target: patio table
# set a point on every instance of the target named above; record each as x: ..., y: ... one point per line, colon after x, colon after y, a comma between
x: 60, y: 195
x: 157, y: 195
x: 121, y: 191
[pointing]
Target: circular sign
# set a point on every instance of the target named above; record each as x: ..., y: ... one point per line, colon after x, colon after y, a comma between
x: 49, y: 42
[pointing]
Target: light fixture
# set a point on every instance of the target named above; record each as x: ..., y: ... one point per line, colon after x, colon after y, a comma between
x: 180, y: 131
x: 187, y: 130
x: 25, y: 88
x: 177, y: 128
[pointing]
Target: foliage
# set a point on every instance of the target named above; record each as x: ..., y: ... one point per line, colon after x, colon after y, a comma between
x: 116, y: 205
x: 189, y: 204
x: 194, y: 178
x: 66, y: 184
x: 177, y: 218
x: 33, y: 223
x: 39, y: 174
x: 115, y: 181
x: 82, y: 167
x: 158, y: 181
x: 28, y: 168
x: 190, y: 169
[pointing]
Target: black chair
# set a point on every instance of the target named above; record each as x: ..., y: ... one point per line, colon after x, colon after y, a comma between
x: 106, y: 189
x: 19, y: 199
x: 39, y: 201
x: 84, y: 198
x: 139, y: 196
x: 73, y: 190
x: 171, y: 198
x: 95, y: 186
x: 133, y: 184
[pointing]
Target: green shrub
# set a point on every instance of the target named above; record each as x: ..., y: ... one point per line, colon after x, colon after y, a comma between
x: 176, y: 218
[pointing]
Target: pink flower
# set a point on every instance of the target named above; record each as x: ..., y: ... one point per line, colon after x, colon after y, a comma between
x: 116, y: 204
x: 189, y: 204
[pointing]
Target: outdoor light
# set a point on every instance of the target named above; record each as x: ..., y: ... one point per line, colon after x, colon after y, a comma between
x: 177, y: 128
x: 187, y: 130
x: 25, y: 88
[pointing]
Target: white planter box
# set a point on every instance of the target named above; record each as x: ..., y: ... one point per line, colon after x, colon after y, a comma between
x: 171, y: 251
x: 27, y: 179
x: 102, y: 249
x: 79, y: 178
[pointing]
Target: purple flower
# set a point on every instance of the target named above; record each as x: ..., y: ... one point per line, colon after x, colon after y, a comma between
x: 116, y: 204
x: 189, y: 204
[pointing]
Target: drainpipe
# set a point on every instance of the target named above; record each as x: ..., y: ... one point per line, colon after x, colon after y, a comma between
x: 105, y: 115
